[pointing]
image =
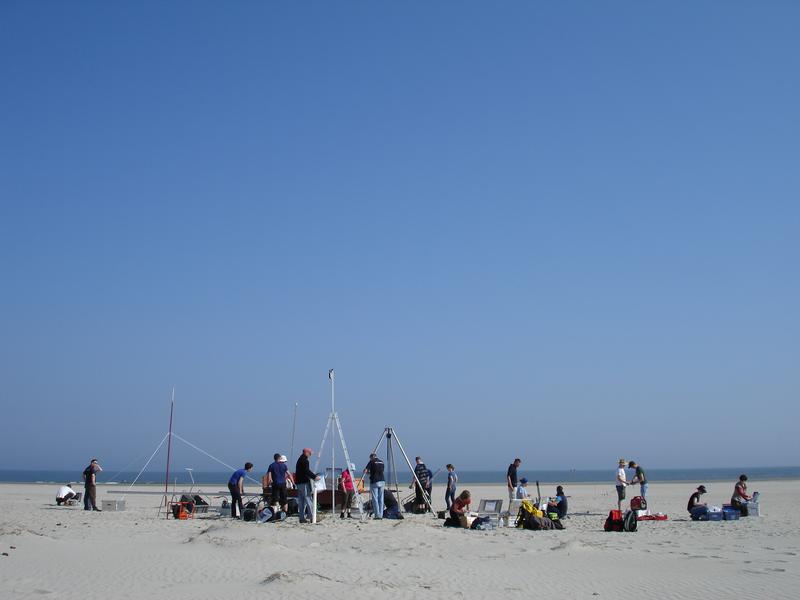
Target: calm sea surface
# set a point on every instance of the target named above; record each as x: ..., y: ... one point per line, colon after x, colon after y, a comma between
x: 694, y: 475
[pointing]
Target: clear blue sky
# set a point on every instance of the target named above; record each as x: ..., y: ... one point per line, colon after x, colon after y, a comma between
x: 566, y: 231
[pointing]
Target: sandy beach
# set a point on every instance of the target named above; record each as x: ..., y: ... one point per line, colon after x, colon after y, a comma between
x: 70, y: 553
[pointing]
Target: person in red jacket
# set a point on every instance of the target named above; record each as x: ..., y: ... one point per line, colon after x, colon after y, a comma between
x: 460, y: 507
x: 740, y: 496
x: 349, y: 488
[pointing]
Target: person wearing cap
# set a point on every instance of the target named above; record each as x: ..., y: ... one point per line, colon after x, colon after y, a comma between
x: 622, y: 482
x: 90, y: 485
x: 349, y: 490
x: 639, y: 477
x: 276, y: 482
x: 522, y: 489
x: 694, y: 499
x: 304, y: 478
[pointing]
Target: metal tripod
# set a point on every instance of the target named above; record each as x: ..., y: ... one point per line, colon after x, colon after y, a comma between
x: 391, y: 438
x: 334, y: 423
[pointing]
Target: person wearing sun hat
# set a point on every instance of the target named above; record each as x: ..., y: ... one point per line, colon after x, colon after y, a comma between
x: 694, y: 499
x: 622, y: 482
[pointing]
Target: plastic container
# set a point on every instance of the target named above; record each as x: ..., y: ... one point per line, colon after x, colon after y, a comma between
x: 730, y: 514
x: 715, y: 516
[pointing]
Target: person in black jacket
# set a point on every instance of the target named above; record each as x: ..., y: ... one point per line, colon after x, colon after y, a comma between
x: 305, y: 478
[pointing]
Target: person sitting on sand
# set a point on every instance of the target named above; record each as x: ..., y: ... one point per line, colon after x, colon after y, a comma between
x: 460, y: 507
x: 694, y: 499
x: 740, y: 496
x: 558, y: 504
x: 522, y: 489
x: 65, y: 494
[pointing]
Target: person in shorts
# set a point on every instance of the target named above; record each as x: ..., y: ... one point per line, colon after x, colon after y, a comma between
x: 622, y: 483
x: 277, y: 474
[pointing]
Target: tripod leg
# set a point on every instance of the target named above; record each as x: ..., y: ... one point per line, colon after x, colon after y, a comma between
x: 425, y: 495
x: 322, y: 443
x: 347, y: 466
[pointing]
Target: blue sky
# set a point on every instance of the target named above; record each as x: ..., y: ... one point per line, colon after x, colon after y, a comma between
x: 563, y: 231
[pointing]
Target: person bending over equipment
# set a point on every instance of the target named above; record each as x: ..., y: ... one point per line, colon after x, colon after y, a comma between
x: 460, y: 507
x: 65, y: 494
x: 740, y: 496
x: 694, y: 499
x: 236, y: 488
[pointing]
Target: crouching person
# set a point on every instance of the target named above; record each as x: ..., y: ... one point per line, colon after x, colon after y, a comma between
x: 460, y: 508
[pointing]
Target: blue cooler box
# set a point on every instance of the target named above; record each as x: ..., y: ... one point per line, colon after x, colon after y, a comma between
x: 715, y: 516
x: 731, y: 514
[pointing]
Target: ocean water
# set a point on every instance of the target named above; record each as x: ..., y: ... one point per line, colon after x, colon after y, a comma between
x: 601, y: 476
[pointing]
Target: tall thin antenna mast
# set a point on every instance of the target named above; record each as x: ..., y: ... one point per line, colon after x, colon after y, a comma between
x: 169, y: 446
x: 332, y: 377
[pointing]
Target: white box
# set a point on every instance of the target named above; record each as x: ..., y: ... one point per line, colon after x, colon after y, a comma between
x: 113, y: 505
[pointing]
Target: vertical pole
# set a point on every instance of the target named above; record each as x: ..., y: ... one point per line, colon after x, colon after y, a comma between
x: 169, y: 447
x: 332, y: 377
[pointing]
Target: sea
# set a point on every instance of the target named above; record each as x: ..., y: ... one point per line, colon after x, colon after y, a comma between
x: 598, y: 476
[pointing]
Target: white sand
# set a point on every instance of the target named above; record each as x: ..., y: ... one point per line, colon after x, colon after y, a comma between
x: 69, y: 553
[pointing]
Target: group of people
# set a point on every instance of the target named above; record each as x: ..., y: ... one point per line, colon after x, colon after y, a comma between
x: 622, y: 480
x: 739, y: 499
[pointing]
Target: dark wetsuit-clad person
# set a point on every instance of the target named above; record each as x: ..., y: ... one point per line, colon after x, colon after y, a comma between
x: 694, y: 499
x: 236, y: 488
x: 90, y: 485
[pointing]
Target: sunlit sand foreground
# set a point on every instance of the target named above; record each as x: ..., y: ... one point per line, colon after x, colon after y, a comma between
x: 68, y: 553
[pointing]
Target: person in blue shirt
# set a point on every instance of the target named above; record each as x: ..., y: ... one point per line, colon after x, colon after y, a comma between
x: 452, y: 481
x: 276, y: 481
x: 236, y: 488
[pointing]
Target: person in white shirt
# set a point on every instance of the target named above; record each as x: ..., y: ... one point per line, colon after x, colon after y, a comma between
x: 64, y: 494
x: 522, y: 489
x: 622, y: 482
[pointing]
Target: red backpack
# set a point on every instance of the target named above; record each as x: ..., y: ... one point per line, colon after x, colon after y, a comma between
x: 614, y: 522
x: 638, y: 503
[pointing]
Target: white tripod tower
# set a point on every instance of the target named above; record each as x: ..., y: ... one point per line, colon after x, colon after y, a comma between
x: 334, y: 424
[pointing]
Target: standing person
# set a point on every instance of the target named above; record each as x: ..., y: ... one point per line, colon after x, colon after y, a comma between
x: 740, y: 496
x: 639, y: 478
x: 276, y: 477
x: 420, y: 485
x: 236, y: 488
x: 349, y: 489
x: 511, y: 478
x: 694, y: 499
x: 90, y: 485
x: 452, y: 481
x: 304, y: 480
x: 621, y: 482
x: 377, y: 482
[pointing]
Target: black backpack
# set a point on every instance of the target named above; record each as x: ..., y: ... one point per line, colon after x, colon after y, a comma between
x: 629, y: 522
